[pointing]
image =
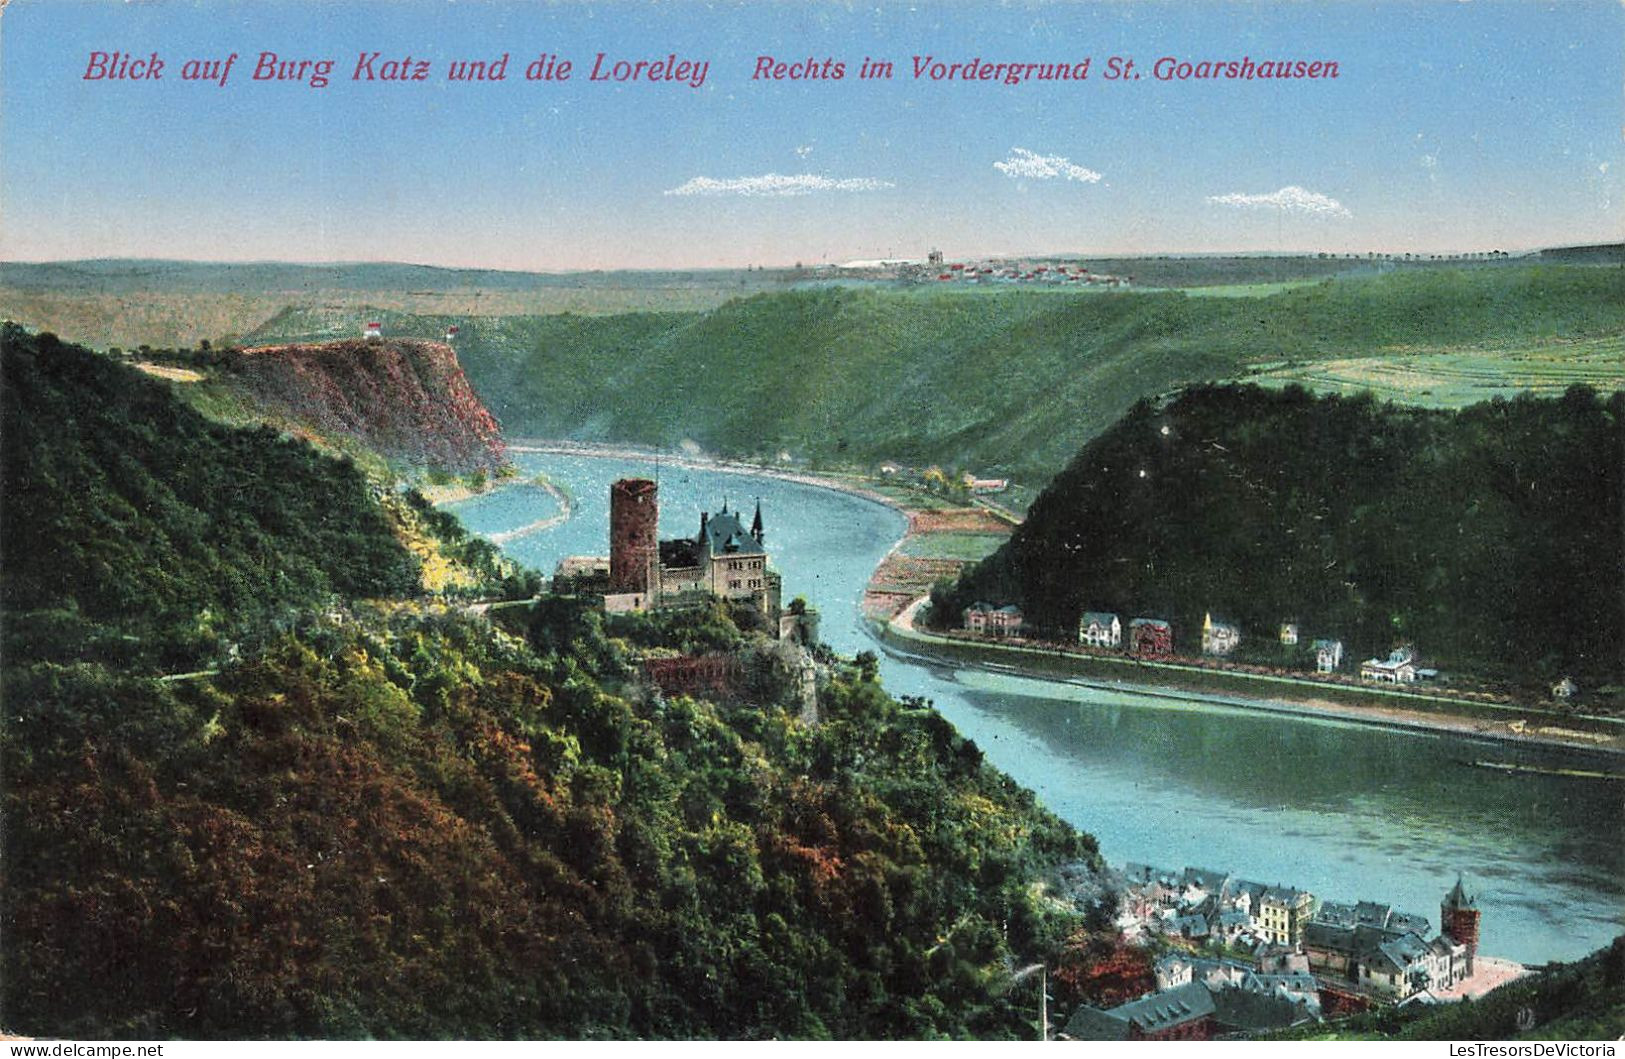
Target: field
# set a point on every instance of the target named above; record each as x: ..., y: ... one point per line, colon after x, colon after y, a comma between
x: 165, y: 319
x: 1459, y: 378
x: 1248, y: 290
x: 970, y: 547
x: 179, y: 303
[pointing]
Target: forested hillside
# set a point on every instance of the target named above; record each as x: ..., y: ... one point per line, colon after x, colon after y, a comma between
x: 1490, y: 537
x: 998, y: 380
x: 390, y: 819
x: 135, y: 529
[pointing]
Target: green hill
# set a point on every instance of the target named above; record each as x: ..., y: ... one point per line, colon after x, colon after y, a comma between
x: 997, y: 380
x: 1489, y: 537
x: 133, y: 527
x: 389, y: 819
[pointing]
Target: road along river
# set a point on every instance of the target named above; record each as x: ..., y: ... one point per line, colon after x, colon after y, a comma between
x: 1344, y: 810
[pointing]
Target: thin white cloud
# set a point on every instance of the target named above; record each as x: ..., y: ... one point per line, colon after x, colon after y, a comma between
x: 776, y: 185
x: 804, y: 150
x: 1030, y: 165
x: 1292, y: 199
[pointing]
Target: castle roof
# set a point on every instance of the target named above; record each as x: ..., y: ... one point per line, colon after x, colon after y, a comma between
x: 724, y: 534
x: 1458, y: 897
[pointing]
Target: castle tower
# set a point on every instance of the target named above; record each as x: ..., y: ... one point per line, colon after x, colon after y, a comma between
x: 634, y: 542
x: 756, y: 524
x: 1458, y: 920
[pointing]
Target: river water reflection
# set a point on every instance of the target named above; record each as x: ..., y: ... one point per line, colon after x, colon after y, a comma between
x: 1346, y: 811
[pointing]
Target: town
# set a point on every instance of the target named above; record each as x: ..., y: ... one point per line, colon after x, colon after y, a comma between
x: 1242, y: 957
x: 1152, y: 639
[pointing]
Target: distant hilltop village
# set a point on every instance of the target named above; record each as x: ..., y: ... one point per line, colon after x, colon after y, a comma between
x: 723, y: 560
x: 936, y: 269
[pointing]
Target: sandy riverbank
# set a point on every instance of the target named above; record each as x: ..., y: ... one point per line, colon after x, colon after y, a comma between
x: 563, y: 516
x: 702, y: 463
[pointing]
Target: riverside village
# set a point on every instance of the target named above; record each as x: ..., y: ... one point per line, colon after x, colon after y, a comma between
x: 1238, y: 957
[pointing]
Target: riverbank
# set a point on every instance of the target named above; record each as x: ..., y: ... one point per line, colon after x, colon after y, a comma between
x: 1504, y: 725
x: 897, y: 586
x: 566, y: 509
x: 697, y: 462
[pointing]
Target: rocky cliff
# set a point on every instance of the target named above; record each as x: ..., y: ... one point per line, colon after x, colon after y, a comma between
x: 406, y: 398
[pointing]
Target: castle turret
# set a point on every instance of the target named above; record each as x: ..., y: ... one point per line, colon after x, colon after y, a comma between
x: 756, y: 524
x: 634, y: 544
x: 1458, y: 920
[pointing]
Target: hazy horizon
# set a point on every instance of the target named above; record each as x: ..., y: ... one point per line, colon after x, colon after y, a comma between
x: 1490, y: 126
x: 793, y: 266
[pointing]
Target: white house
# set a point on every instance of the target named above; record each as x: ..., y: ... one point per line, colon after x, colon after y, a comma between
x: 1100, y: 629
x: 1398, y: 668
x: 1218, y: 637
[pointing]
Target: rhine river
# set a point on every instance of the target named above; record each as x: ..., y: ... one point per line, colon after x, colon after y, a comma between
x: 1349, y: 812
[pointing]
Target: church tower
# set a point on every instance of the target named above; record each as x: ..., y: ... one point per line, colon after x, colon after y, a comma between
x: 1458, y: 920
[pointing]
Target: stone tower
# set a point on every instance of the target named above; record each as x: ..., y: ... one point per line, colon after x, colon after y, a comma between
x: 1458, y: 920
x: 634, y: 541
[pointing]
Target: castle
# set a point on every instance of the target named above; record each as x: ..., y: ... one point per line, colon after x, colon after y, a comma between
x: 724, y: 559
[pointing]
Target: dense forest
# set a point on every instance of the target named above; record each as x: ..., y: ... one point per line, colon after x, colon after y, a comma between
x: 137, y: 530
x: 1001, y: 381
x: 388, y: 818
x: 131, y: 521
x: 1490, y: 538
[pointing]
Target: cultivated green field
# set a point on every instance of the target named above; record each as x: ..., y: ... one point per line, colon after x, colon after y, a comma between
x: 1459, y: 378
x: 969, y: 547
x: 169, y: 303
x: 1248, y: 290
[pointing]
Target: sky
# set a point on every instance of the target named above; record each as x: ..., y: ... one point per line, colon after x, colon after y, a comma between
x: 1451, y: 126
